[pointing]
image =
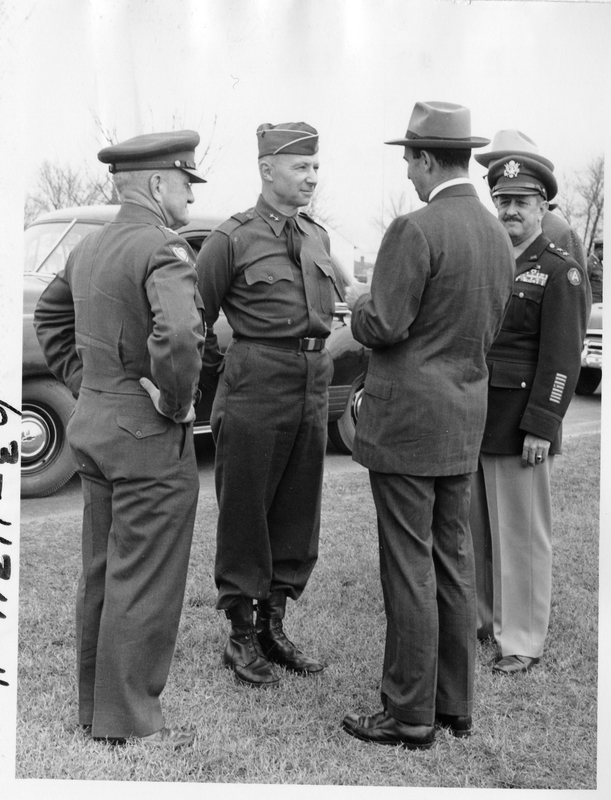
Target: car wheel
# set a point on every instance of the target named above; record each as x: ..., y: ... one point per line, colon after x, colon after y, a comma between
x: 589, y: 378
x: 46, y: 459
x: 342, y: 430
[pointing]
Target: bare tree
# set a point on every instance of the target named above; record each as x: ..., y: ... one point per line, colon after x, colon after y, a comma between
x: 62, y: 185
x: 397, y: 206
x: 581, y: 201
x: 318, y: 208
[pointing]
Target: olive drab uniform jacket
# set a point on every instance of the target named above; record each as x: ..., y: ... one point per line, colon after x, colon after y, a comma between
x: 535, y: 360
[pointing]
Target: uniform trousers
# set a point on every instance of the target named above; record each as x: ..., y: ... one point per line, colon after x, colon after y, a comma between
x: 428, y: 583
x: 269, y: 422
x: 511, y: 524
x: 140, y: 486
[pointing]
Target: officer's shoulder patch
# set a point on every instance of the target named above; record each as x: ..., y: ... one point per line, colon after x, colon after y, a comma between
x: 574, y: 276
x: 180, y: 252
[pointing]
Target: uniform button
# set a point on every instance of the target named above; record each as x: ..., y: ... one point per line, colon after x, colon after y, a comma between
x: 270, y: 277
x: 138, y: 434
x: 290, y: 321
x: 521, y: 294
x: 523, y: 384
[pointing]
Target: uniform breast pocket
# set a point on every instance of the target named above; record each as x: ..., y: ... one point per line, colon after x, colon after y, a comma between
x: 326, y: 285
x: 524, y: 312
x: 268, y: 274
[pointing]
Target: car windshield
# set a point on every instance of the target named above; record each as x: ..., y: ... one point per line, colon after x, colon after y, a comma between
x: 48, y: 244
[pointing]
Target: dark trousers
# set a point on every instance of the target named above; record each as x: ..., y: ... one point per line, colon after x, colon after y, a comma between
x: 269, y: 422
x: 428, y: 582
x: 140, y: 487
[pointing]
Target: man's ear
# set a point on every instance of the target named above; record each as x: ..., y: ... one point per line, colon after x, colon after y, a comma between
x: 427, y: 159
x: 155, y: 184
x: 266, y: 170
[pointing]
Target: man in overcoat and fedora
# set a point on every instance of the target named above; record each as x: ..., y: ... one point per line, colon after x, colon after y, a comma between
x: 440, y: 285
x: 534, y: 365
x: 122, y: 327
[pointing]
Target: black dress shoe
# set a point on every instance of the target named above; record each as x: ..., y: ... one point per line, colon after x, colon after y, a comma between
x: 458, y: 726
x: 510, y: 665
x: 381, y: 728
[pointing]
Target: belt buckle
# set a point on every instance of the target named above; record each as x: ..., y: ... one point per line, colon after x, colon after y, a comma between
x: 308, y: 344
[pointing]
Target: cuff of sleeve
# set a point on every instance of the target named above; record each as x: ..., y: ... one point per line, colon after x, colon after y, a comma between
x: 175, y: 416
x: 540, y: 423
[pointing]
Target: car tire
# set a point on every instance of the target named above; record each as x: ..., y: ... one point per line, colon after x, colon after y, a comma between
x: 341, y: 431
x: 46, y: 459
x: 589, y: 379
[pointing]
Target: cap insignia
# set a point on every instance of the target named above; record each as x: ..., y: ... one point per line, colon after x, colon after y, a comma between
x: 512, y: 169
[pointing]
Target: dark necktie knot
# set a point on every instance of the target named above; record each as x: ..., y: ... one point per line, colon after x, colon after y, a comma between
x: 293, y: 240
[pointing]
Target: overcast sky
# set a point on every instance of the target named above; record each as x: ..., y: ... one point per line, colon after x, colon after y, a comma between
x: 352, y: 69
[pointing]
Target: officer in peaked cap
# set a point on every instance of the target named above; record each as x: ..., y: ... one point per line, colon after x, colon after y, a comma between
x: 533, y: 365
x: 128, y: 295
x: 556, y: 228
x: 154, y: 151
x: 269, y: 269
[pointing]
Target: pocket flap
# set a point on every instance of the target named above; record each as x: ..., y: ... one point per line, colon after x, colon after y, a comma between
x: 327, y: 268
x: 270, y: 273
x: 507, y: 375
x: 141, y: 428
x: 378, y: 387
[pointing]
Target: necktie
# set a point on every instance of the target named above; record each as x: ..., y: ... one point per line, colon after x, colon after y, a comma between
x: 293, y: 237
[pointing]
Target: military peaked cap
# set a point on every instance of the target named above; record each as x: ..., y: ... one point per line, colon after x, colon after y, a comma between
x: 297, y: 138
x: 173, y: 150
x: 519, y: 174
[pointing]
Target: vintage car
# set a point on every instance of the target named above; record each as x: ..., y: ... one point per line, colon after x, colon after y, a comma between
x: 46, y: 460
x: 592, y: 354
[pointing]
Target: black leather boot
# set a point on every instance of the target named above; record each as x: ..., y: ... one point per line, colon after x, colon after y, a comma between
x: 243, y: 652
x: 273, y: 640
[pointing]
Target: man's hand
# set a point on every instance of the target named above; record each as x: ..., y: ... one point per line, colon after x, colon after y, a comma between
x: 353, y: 291
x: 156, y: 394
x: 534, y: 451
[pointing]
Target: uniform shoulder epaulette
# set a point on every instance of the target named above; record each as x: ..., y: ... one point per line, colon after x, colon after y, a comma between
x: 310, y: 219
x: 558, y: 250
x: 235, y: 220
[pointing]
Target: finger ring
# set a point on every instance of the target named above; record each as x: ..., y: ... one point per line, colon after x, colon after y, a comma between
x: 539, y: 458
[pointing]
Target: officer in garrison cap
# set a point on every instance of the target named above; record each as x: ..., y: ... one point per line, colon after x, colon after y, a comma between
x: 269, y: 269
x: 122, y: 327
x: 555, y: 227
x: 534, y: 365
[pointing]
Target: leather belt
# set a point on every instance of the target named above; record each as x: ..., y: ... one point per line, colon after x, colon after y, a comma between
x: 288, y: 343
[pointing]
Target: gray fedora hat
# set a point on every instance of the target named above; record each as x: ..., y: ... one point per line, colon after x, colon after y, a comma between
x: 436, y: 124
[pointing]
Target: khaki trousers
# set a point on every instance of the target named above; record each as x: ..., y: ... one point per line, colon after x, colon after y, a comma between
x: 511, y: 526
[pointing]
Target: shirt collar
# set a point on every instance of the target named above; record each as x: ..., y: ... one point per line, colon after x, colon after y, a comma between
x: 274, y: 218
x: 445, y: 184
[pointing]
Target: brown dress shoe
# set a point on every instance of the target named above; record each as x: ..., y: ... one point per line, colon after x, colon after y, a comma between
x: 458, y: 726
x: 381, y: 728
x: 510, y: 665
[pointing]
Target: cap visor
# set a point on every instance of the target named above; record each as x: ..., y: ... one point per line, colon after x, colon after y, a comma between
x: 194, y: 175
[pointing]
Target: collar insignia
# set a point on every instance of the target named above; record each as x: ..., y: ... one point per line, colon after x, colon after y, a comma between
x: 512, y: 169
x: 273, y: 216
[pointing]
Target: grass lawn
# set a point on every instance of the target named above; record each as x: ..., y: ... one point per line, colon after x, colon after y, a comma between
x: 534, y: 731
